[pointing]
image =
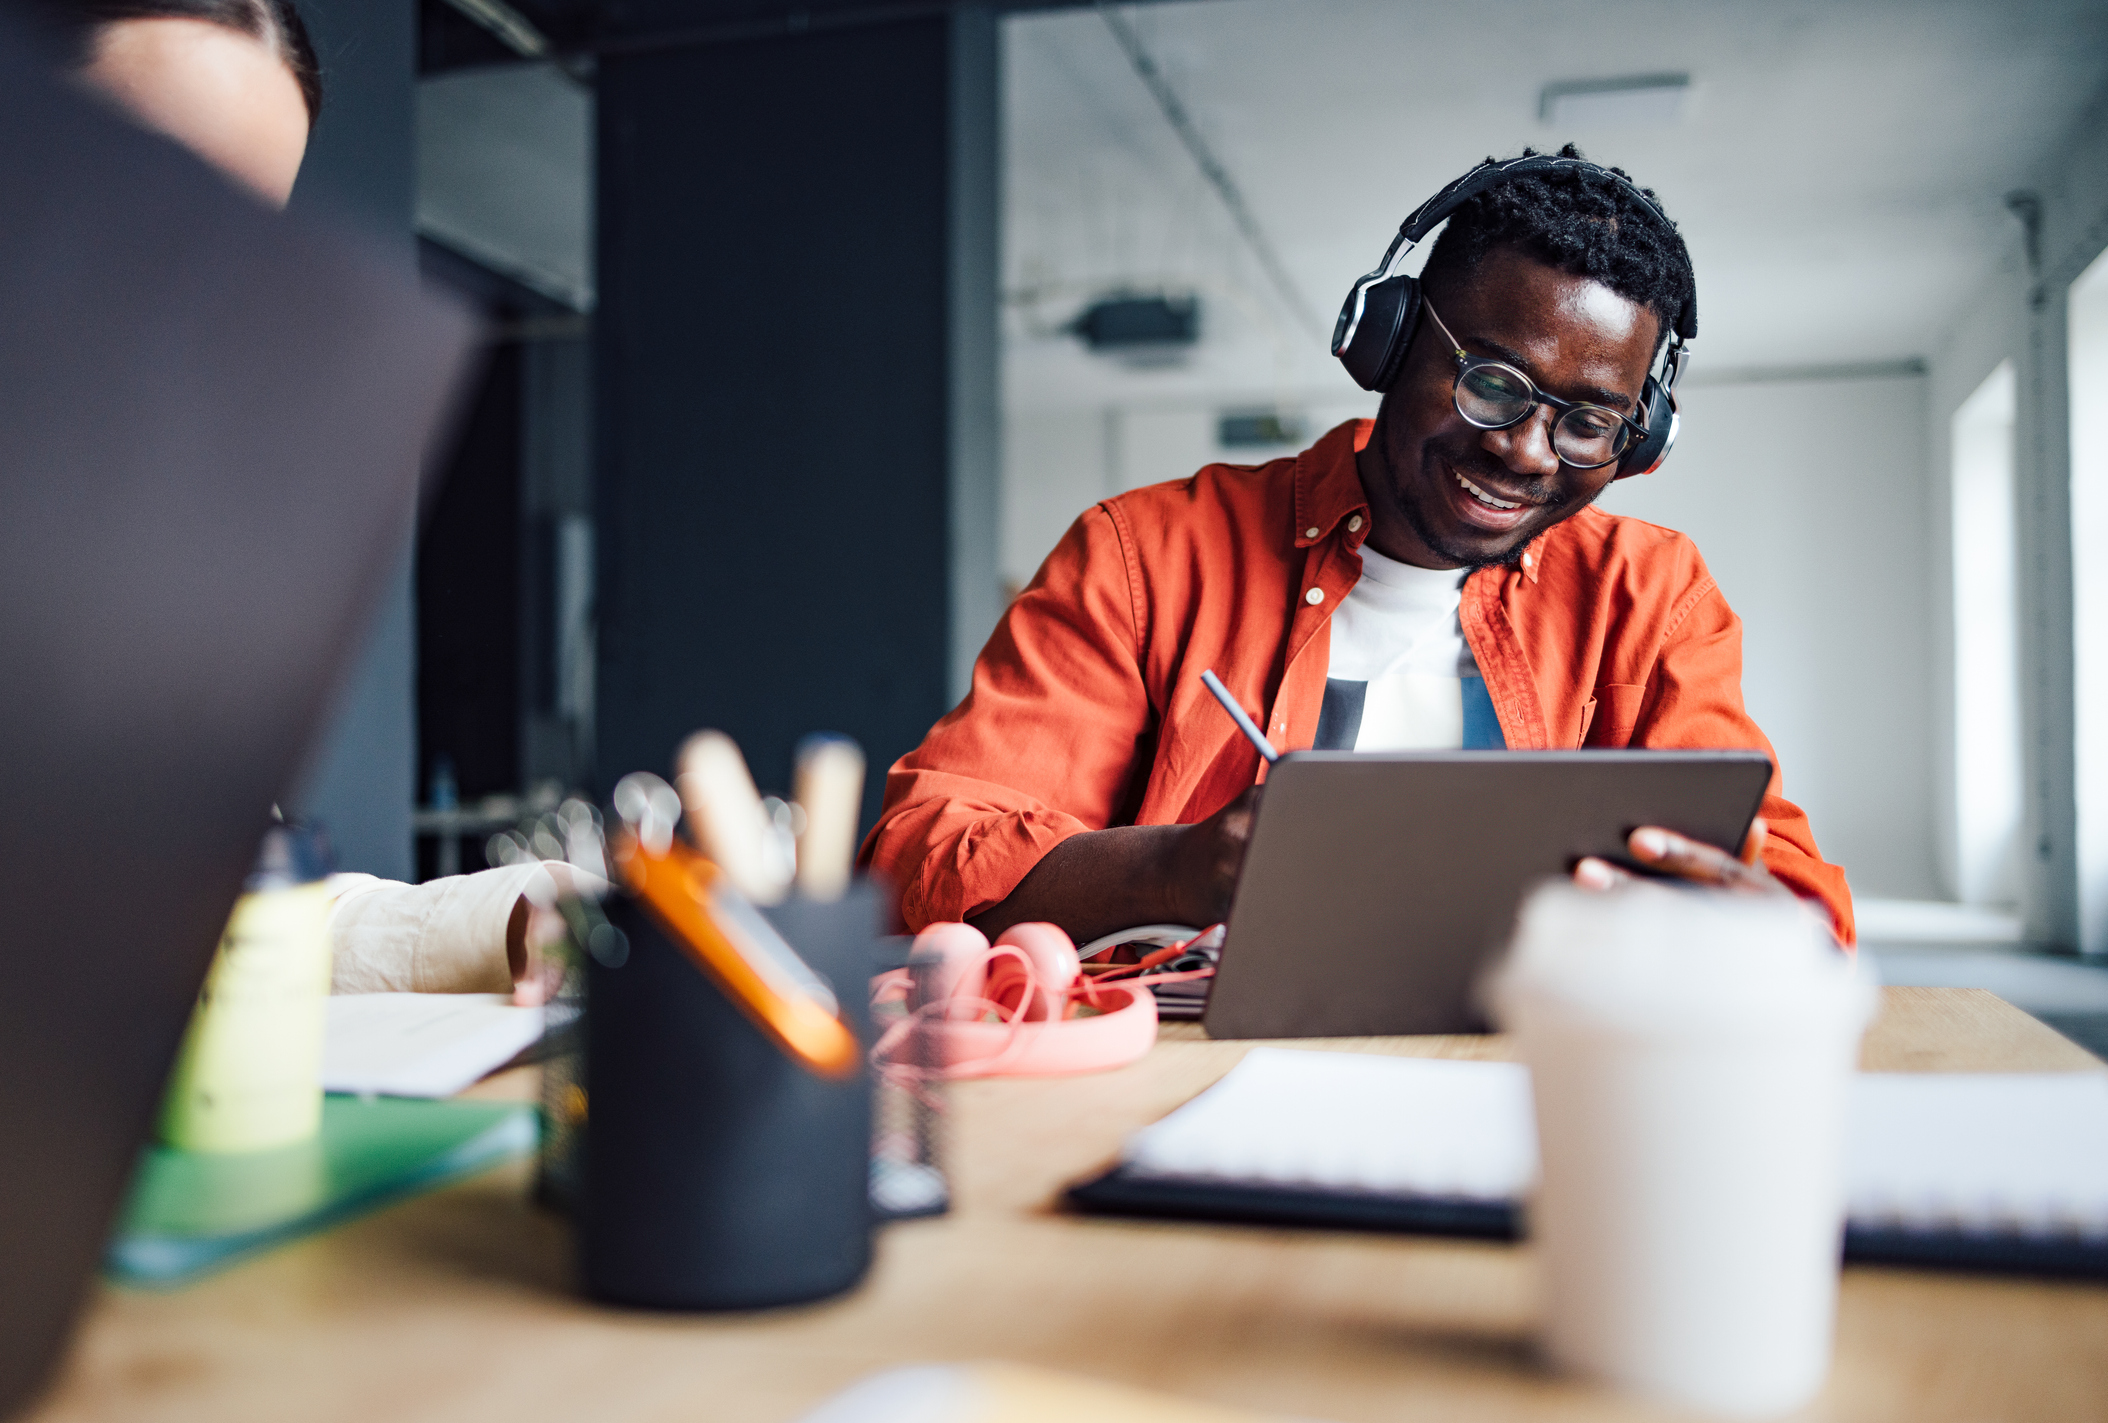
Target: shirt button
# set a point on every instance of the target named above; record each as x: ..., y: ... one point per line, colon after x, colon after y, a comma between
x: 1314, y: 597
x: 1354, y: 524
x: 1312, y: 532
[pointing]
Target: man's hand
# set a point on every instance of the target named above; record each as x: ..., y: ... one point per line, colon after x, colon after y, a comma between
x: 536, y: 924
x: 1207, y: 859
x: 1688, y: 859
x: 1102, y: 880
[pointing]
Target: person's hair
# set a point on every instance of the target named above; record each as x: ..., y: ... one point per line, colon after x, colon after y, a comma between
x: 1578, y: 221
x: 274, y: 24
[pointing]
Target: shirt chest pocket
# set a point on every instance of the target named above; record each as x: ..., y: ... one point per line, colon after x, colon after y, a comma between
x: 1607, y: 718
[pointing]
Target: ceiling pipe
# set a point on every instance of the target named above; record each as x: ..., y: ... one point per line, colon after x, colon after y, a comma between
x: 1145, y: 67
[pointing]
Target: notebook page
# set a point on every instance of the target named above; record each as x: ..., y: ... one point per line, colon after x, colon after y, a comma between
x: 2005, y: 1152
x: 2021, y: 1153
x: 1349, y: 1122
x: 420, y: 1044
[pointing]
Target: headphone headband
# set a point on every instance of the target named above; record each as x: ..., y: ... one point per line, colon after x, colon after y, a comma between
x: 1432, y: 213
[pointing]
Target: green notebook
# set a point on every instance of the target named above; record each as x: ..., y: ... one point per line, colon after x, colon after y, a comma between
x: 189, y: 1213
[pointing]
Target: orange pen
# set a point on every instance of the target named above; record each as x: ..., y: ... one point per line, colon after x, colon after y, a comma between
x: 742, y: 952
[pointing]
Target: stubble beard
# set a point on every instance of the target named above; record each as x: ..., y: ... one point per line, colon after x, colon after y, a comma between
x: 1412, y: 497
x: 1434, y: 471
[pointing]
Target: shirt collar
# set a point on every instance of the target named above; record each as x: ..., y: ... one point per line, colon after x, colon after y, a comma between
x: 1328, y: 489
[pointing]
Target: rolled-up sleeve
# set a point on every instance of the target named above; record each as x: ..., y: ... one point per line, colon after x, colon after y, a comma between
x: 443, y: 936
x: 1694, y: 701
x: 1045, y: 745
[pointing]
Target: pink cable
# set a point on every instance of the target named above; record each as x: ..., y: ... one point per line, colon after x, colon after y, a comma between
x: 895, y: 984
x: 909, y: 1075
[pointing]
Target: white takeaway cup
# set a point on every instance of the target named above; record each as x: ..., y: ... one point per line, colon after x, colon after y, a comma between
x: 1690, y: 1055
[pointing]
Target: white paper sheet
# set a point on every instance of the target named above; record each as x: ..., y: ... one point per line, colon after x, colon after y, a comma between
x: 421, y: 1044
x: 1353, y: 1122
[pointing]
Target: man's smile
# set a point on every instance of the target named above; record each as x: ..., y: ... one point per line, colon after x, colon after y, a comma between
x: 1466, y: 511
x: 1483, y: 497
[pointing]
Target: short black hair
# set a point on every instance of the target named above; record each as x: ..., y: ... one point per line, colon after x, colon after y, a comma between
x: 274, y: 24
x: 1579, y: 221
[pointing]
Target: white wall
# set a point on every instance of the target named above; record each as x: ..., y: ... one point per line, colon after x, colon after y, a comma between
x: 1057, y: 463
x: 1807, y: 500
x: 1054, y: 467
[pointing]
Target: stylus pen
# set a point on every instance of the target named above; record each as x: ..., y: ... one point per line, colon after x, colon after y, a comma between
x: 1244, y: 723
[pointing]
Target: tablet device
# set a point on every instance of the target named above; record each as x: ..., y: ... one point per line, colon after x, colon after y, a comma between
x: 1379, y: 884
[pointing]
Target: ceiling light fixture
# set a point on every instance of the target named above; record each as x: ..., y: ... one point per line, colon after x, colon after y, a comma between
x: 1641, y: 100
x: 1140, y: 330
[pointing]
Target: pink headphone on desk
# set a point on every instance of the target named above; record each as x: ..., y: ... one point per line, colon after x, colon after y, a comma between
x: 1022, y: 1006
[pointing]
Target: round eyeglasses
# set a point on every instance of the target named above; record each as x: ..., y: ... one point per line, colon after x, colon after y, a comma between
x: 1493, y: 395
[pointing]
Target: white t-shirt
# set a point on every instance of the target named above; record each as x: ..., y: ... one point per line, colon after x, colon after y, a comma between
x: 1401, y: 677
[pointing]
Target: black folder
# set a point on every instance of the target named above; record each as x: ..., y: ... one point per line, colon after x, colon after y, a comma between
x: 1124, y: 1192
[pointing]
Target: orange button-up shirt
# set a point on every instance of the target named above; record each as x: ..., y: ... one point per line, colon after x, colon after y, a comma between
x: 1087, y: 708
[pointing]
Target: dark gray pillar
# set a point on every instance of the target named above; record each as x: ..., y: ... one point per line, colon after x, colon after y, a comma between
x: 976, y: 370
x: 796, y: 385
x: 361, y: 165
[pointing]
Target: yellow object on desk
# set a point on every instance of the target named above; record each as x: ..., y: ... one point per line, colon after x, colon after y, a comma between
x: 249, y: 1074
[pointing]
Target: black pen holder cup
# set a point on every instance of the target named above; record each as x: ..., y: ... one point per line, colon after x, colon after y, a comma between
x: 720, y: 1173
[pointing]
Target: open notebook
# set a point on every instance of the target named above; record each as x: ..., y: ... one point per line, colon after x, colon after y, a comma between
x: 2004, y: 1171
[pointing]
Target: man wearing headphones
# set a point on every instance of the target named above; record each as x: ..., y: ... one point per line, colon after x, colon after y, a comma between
x: 1434, y: 578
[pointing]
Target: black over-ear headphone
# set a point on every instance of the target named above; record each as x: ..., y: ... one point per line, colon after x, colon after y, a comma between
x: 1377, y: 323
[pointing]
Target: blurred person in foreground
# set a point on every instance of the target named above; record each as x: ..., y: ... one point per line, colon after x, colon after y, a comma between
x: 237, y: 83
x: 1418, y: 581
x: 234, y: 81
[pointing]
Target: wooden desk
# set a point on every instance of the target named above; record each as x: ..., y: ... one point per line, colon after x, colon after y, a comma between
x: 455, y: 1307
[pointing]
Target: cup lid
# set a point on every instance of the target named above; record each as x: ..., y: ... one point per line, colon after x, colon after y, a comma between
x: 1659, y: 960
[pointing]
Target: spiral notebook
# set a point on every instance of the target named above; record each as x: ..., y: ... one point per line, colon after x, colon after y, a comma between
x: 2004, y: 1171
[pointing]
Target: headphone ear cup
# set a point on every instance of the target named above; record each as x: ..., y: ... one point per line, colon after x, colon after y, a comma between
x: 1055, y: 966
x: 1662, y: 422
x: 1376, y: 341
x: 953, y: 959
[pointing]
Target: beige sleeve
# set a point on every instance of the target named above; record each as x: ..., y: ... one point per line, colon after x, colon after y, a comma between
x: 444, y: 936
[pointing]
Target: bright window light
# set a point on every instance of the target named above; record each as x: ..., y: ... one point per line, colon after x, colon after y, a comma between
x: 1987, y: 774
x: 2087, y: 314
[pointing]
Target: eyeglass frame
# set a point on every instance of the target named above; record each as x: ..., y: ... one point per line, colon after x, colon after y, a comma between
x: 1467, y: 363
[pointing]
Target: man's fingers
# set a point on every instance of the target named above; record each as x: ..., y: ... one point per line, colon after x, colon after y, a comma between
x: 1753, y: 843
x: 1687, y: 859
x: 1592, y: 873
